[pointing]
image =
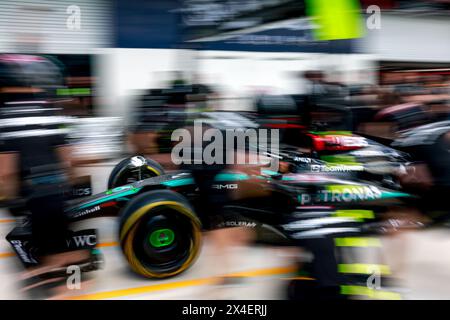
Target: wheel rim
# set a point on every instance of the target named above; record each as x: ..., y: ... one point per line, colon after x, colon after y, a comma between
x: 161, y: 238
x: 163, y: 242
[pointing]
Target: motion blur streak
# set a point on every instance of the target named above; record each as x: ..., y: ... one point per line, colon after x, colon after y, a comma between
x: 333, y: 118
x: 182, y: 284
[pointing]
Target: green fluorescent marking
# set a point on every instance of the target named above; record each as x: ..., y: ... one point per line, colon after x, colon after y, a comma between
x: 341, y: 188
x: 337, y: 19
x: 114, y: 196
x: 63, y: 92
x: 363, y: 268
x: 73, y: 91
x: 348, y: 160
x: 371, y: 293
x: 161, y: 238
x: 357, y: 242
x: 81, y: 91
x: 328, y: 133
x: 358, y: 214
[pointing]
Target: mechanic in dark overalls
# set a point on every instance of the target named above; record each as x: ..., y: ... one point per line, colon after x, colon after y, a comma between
x: 32, y: 140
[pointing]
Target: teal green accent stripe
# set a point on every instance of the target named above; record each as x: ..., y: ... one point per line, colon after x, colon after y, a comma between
x: 289, y: 178
x: 269, y: 172
x: 389, y: 194
x: 219, y: 177
x: 231, y: 177
x: 178, y: 182
x: 114, y: 196
x: 123, y: 199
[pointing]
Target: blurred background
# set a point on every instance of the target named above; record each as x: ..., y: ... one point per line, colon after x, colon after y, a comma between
x: 112, y: 54
x: 131, y: 71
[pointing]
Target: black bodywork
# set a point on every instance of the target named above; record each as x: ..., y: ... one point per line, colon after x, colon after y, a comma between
x: 281, y: 205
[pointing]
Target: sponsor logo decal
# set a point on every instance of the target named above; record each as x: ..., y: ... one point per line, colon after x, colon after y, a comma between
x: 24, y: 256
x: 336, y: 168
x: 230, y: 186
x: 302, y: 159
x: 246, y: 224
x: 81, y: 192
x: 83, y: 240
x: 86, y: 211
x: 342, y: 193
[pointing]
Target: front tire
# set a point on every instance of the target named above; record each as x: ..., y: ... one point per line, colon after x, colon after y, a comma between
x: 160, y: 234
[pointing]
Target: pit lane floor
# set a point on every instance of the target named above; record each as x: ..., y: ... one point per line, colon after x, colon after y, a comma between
x: 422, y: 258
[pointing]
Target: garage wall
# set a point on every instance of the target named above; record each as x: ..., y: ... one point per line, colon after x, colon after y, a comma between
x: 237, y: 76
x: 122, y: 72
x: 40, y: 26
x: 409, y: 38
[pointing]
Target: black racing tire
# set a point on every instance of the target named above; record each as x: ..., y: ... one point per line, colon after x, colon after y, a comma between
x: 125, y: 172
x: 160, y: 235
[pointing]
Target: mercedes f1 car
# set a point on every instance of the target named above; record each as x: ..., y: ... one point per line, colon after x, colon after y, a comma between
x: 160, y: 231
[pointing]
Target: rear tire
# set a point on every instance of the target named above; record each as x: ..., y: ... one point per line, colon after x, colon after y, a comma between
x: 160, y: 234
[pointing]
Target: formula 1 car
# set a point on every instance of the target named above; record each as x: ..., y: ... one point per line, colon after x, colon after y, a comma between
x: 365, y: 159
x: 160, y: 230
x: 339, y: 153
